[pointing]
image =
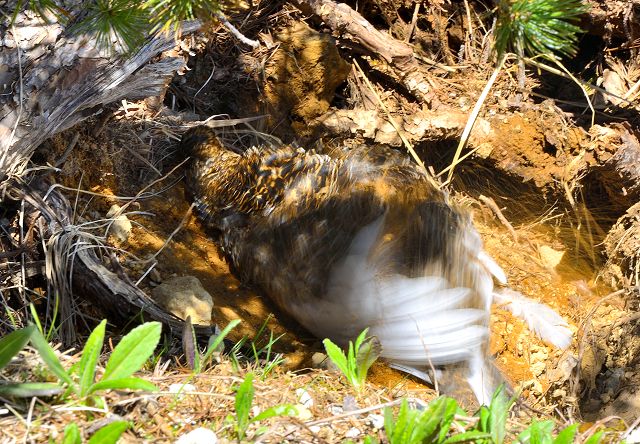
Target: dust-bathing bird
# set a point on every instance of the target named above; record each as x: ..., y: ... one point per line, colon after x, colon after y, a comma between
x: 360, y: 238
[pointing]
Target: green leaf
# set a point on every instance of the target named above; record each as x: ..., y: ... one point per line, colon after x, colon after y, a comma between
x: 337, y: 356
x: 278, y: 410
x: 133, y: 351
x: 244, y: 399
x: 415, y: 426
x: 30, y: 389
x: 567, y: 436
x: 389, y: 423
x: 595, y: 438
x: 109, y: 434
x: 123, y: 384
x: 72, y: 434
x: 483, y: 418
x: 50, y: 359
x: 470, y: 436
x: 499, y: 411
x: 367, y: 351
x: 213, y: 346
x: 428, y: 421
x: 539, y: 432
x: 11, y: 344
x: 89, y: 359
x: 449, y: 410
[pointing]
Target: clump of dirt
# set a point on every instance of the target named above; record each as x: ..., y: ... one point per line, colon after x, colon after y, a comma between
x: 623, y: 250
x: 301, y: 77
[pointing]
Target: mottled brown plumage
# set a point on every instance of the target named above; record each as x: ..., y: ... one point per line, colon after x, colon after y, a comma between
x: 360, y: 238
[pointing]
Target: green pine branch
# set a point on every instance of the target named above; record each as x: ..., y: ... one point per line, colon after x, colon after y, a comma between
x: 123, y: 25
x: 538, y: 27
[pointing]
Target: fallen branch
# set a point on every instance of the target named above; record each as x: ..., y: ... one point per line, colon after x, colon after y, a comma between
x: 348, y: 24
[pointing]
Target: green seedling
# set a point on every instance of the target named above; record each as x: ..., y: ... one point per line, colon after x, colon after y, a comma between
x: 128, y: 357
x: 360, y: 357
x: 243, y: 402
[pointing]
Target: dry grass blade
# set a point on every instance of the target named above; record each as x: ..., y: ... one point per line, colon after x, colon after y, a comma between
x: 405, y: 141
x: 464, y: 138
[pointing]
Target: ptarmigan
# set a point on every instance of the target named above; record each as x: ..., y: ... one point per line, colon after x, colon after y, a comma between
x: 359, y: 239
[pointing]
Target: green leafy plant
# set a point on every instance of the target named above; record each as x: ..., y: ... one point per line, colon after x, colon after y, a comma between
x: 127, y: 358
x: 72, y: 434
x: 430, y: 425
x: 109, y: 434
x: 10, y: 346
x: 244, y: 400
x: 360, y: 357
x: 493, y: 418
x: 262, y: 355
x: 197, y: 361
x: 541, y: 432
x: 124, y: 23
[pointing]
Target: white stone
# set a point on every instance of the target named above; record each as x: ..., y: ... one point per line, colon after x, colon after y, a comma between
x: 353, y: 432
x: 550, y: 258
x: 303, y: 413
x: 377, y: 421
x: 181, y: 388
x: 198, y: 436
x: 304, y: 398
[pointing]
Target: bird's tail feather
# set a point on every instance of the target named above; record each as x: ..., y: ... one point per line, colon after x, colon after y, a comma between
x: 540, y: 318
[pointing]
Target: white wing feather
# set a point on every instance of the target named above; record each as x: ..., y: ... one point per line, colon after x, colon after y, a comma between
x: 540, y: 318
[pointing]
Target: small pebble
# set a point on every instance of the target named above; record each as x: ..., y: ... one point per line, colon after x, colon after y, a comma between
x: 181, y: 388
x: 198, y: 436
x: 559, y: 393
x: 304, y: 414
x: 352, y: 433
x: 377, y: 421
x: 349, y: 404
x: 320, y: 360
x: 314, y: 429
x: 634, y: 436
x: 304, y: 398
x: 155, y: 276
x: 121, y: 226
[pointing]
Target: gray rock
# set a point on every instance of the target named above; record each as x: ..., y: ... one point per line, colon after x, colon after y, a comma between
x: 185, y: 296
x: 322, y: 361
x: 120, y: 228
